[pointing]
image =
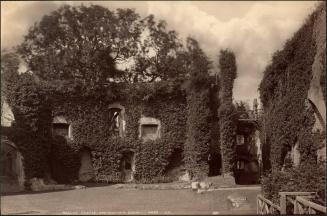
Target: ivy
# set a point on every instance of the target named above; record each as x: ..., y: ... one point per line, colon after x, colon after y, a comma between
x: 151, y: 156
x: 197, y: 147
x: 289, y: 119
x: 227, y: 127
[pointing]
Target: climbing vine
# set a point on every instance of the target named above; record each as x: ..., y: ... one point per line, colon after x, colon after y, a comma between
x: 91, y: 129
x: 289, y: 118
x: 227, y: 64
x: 200, y: 114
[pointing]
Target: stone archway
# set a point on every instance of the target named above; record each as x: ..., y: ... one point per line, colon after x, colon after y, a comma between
x: 12, y: 170
x: 320, y: 126
x: 321, y: 121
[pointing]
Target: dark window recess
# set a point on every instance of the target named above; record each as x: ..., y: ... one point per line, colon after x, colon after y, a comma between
x: 61, y: 129
x: 240, y: 140
x: 128, y: 165
x: 240, y: 165
x: 149, y: 131
x: 114, y: 118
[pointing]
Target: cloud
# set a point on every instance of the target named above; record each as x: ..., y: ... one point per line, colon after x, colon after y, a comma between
x: 263, y: 29
x: 253, y: 30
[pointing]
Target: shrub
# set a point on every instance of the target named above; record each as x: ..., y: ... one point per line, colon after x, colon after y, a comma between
x: 306, y: 178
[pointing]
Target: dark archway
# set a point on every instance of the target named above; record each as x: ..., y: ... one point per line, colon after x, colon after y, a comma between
x: 127, y: 165
x: 214, y: 164
x: 175, y: 167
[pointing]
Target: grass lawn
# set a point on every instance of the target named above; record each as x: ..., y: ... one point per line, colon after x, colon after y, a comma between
x: 110, y: 200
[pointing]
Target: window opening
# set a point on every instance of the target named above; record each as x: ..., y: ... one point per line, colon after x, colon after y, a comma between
x: 149, y: 131
x: 61, y: 129
x: 115, y: 120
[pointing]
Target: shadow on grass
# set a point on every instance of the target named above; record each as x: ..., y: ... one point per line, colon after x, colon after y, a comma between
x: 87, y: 185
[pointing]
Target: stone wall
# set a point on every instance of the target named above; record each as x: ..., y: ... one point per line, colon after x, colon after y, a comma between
x: 12, y: 176
x: 316, y: 94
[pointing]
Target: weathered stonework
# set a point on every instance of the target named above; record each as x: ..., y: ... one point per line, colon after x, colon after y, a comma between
x: 62, y: 120
x: 315, y: 93
x: 86, y: 171
x: 7, y: 116
x: 295, y: 154
x: 150, y: 121
x: 14, y: 178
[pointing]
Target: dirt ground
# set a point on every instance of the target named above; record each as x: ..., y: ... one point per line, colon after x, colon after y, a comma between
x: 111, y: 200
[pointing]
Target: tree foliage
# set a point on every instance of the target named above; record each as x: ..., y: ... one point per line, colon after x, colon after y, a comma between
x: 75, y: 56
x: 93, y: 45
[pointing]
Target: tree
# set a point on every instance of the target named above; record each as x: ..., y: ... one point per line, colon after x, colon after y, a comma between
x: 78, y: 43
x: 160, y: 53
x: 86, y: 44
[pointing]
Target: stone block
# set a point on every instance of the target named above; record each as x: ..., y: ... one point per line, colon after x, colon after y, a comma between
x: 195, y: 185
x: 204, y: 185
x: 37, y: 184
x: 185, y: 177
x: 237, y: 201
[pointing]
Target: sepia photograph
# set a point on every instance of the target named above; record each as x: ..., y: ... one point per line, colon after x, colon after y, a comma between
x: 163, y: 108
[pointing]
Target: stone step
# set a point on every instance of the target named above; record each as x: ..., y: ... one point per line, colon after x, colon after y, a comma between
x: 237, y: 201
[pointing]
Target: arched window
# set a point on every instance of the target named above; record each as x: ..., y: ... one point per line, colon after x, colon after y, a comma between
x: 318, y: 115
x: 115, y: 120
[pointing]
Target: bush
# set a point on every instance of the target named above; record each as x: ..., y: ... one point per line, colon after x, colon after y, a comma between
x: 305, y: 178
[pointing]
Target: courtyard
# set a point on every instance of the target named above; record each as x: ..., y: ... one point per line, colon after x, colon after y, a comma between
x: 113, y: 200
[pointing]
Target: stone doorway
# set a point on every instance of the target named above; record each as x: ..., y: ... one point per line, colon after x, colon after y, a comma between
x: 128, y: 166
x: 86, y: 171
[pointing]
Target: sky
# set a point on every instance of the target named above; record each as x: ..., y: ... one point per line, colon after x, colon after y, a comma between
x: 253, y: 30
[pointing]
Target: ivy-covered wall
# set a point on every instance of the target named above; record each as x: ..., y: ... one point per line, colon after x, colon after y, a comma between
x: 31, y: 129
x: 227, y: 126
x: 35, y: 103
x: 289, y: 117
x: 91, y: 129
x: 283, y: 92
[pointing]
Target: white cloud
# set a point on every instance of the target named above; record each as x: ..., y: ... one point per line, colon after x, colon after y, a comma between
x: 253, y: 30
x: 253, y: 37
